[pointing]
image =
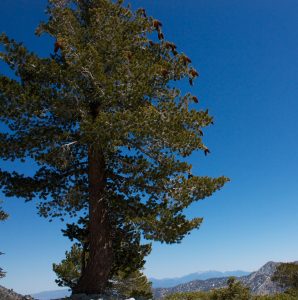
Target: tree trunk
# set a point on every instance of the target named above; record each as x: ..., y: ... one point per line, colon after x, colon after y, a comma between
x: 96, y: 274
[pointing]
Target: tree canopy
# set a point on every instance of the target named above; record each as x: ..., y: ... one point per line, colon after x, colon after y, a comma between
x: 108, y: 128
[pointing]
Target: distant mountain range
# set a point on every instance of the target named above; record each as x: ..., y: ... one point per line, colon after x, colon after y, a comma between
x: 49, y: 295
x: 171, y: 282
x: 9, y: 294
x: 259, y: 283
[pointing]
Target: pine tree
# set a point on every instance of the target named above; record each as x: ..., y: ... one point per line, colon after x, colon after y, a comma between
x: 234, y: 291
x: 134, y: 285
x: 69, y: 269
x: 106, y: 125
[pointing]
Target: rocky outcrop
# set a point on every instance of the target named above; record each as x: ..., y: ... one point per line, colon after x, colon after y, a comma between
x: 8, y: 294
x: 260, y: 282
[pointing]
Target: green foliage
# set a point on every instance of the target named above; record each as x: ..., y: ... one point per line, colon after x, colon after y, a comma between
x: 69, y: 270
x: 142, y: 124
x: 134, y: 285
x: 108, y: 88
x: 286, y: 275
x: 282, y: 296
x: 234, y: 291
x: 128, y: 284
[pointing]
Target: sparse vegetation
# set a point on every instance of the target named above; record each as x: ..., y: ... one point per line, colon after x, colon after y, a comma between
x: 213, y: 296
x: 189, y: 296
x: 234, y: 291
x: 286, y: 275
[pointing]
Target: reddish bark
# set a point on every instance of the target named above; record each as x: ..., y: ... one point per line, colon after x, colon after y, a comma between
x: 96, y: 273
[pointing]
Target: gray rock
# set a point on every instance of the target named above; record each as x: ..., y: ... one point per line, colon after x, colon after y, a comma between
x: 9, y: 294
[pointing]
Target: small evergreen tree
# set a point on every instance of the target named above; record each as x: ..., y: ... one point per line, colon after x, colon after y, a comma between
x: 133, y: 284
x: 235, y: 291
x: 69, y: 269
x: 107, y: 127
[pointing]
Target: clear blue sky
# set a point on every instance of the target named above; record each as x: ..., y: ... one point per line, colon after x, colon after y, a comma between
x: 247, y: 55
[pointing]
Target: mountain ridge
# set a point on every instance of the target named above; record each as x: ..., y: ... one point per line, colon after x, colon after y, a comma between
x: 203, y: 275
x: 9, y: 294
x: 259, y: 283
